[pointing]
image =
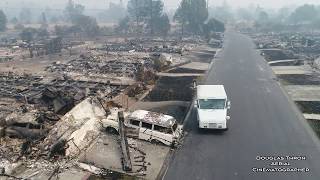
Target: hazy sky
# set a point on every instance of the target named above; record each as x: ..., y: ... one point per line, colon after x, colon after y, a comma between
x: 234, y: 3
x: 101, y: 4
x: 262, y: 3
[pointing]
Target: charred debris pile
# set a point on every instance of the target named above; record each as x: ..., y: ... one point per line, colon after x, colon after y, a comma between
x: 141, y: 45
x: 48, y: 121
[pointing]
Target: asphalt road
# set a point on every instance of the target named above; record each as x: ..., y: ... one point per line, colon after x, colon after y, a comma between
x: 264, y: 122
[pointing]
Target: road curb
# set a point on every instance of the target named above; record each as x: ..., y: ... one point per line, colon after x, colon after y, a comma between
x: 303, y: 120
x: 165, y: 165
x: 299, y: 113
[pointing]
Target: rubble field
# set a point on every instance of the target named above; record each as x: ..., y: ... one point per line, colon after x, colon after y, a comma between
x: 139, y: 47
x: 101, y: 64
x: 14, y: 85
x: 303, y: 43
x: 55, y: 107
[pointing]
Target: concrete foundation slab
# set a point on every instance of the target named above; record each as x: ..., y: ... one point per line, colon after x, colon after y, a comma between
x: 304, y: 92
x: 197, y: 66
x: 105, y: 153
x: 292, y: 70
x: 312, y: 116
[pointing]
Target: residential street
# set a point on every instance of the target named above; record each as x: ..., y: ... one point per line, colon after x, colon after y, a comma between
x: 264, y: 122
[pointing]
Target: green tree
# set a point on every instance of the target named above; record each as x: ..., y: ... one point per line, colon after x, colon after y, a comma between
x: 146, y: 13
x: 3, y: 21
x: 181, y: 15
x: 156, y: 14
x: 72, y: 11
x: 192, y: 14
x: 214, y: 25
x: 138, y: 9
x: 124, y: 25
x: 304, y: 14
x: 162, y: 25
x: 87, y: 24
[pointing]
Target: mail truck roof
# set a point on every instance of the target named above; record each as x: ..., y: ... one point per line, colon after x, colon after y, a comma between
x: 211, y: 92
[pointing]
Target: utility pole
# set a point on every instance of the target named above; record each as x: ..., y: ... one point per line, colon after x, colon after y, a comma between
x: 137, y: 17
x: 151, y: 18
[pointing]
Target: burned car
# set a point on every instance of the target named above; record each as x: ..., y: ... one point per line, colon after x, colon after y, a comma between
x: 146, y: 125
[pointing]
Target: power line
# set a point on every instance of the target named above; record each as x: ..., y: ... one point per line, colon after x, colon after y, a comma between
x: 55, y: 9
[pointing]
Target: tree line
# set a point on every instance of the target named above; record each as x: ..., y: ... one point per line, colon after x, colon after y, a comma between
x: 148, y: 16
x: 304, y: 16
x: 145, y: 17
